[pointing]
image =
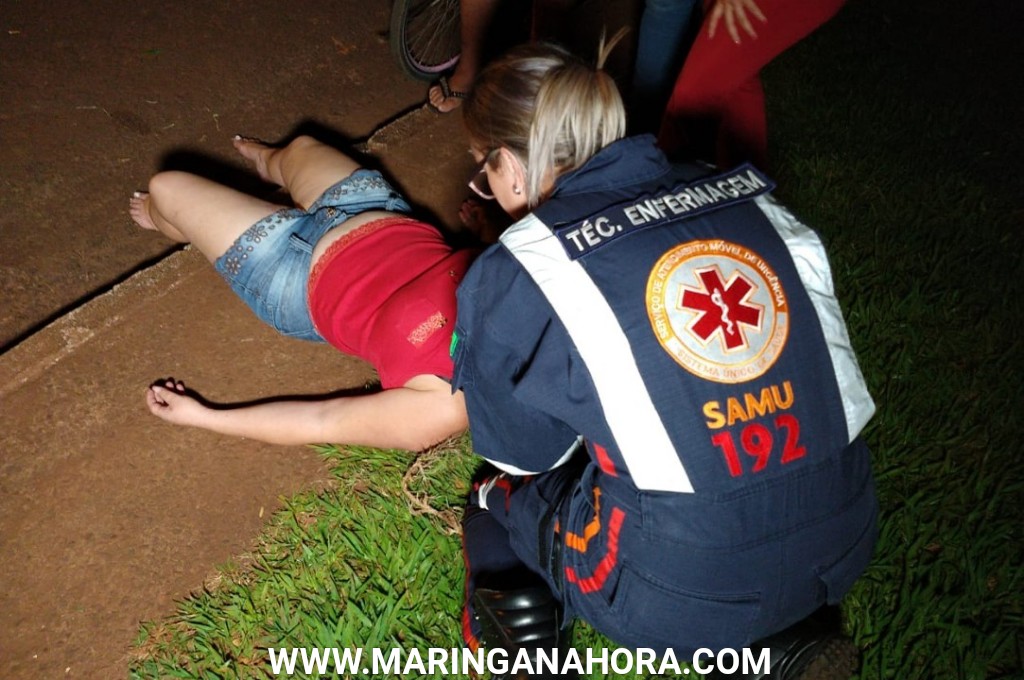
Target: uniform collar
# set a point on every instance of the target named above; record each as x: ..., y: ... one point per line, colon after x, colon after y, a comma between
x: 632, y: 160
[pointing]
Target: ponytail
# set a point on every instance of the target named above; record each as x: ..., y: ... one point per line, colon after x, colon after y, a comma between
x: 549, y: 108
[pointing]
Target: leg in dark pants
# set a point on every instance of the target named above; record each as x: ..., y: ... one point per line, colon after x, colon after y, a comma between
x: 510, y: 601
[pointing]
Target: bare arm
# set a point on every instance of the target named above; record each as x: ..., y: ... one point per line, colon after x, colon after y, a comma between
x: 420, y: 414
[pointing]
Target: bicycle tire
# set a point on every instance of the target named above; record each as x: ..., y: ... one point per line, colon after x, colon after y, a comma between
x: 424, y: 36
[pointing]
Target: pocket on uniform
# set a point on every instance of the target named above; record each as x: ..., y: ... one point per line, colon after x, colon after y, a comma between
x: 664, y: 615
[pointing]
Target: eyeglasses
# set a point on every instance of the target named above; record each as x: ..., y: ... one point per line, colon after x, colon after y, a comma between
x: 480, y: 183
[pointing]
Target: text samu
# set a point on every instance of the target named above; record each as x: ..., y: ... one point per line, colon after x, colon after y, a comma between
x: 770, y: 400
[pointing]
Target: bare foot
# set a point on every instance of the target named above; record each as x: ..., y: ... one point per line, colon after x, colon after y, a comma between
x: 138, y: 208
x: 254, y: 151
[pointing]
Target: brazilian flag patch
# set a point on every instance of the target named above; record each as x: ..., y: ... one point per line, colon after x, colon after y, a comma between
x: 454, y: 344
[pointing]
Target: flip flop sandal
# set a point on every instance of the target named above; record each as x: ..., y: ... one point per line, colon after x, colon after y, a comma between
x: 448, y: 93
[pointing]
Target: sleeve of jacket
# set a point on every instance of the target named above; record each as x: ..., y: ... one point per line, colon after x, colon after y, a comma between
x: 501, y: 327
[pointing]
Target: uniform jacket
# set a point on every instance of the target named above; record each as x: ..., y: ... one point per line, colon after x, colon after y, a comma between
x: 682, y: 324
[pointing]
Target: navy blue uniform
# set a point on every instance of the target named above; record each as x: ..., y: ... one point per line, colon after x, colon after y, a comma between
x: 680, y: 328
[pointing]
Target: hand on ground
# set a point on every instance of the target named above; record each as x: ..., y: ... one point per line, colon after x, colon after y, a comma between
x: 170, y: 401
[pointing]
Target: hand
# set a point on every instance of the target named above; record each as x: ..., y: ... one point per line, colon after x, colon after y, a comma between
x: 734, y: 11
x: 172, y: 402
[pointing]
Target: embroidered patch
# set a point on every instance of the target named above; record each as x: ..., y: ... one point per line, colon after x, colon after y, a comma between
x: 680, y: 202
x: 718, y: 309
x: 454, y: 344
x: 421, y: 333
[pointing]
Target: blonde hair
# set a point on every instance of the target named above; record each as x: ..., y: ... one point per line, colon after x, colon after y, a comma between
x: 548, y: 107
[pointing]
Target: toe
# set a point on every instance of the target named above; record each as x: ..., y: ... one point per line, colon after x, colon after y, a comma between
x: 435, y: 95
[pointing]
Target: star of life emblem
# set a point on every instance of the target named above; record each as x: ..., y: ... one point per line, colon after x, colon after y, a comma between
x: 718, y: 309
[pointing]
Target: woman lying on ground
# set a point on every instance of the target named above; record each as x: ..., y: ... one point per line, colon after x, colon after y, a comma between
x: 348, y: 266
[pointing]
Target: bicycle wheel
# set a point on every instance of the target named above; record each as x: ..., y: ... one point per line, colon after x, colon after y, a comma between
x: 425, y: 36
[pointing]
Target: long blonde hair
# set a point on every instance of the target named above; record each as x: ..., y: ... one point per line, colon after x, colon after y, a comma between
x: 548, y: 107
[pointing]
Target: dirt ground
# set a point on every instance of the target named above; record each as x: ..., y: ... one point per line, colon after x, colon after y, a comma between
x: 98, y: 95
x: 107, y: 516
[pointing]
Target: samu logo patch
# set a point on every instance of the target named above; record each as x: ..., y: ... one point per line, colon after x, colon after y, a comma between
x: 719, y: 309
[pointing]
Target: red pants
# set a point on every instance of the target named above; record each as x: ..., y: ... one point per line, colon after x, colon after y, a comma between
x: 716, y: 110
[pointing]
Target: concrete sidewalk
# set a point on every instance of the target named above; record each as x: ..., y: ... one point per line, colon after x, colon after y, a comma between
x: 107, y: 514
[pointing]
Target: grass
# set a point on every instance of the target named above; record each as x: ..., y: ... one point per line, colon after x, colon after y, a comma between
x: 365, y: 563
x: 894, y: 130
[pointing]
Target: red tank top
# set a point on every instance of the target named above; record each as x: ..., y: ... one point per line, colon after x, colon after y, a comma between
x: 385, y: 292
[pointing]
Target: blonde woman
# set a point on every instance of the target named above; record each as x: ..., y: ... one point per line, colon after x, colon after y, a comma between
x: 653, y: 359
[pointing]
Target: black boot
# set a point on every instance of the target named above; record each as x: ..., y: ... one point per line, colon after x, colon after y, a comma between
x: 812, y: 649
x: 522, y: 618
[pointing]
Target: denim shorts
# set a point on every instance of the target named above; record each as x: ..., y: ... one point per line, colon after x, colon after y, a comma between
x: 268, y: 266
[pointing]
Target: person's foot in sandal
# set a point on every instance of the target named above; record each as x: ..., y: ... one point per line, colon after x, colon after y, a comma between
x: 475, y: 17
x: 446, y: 94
